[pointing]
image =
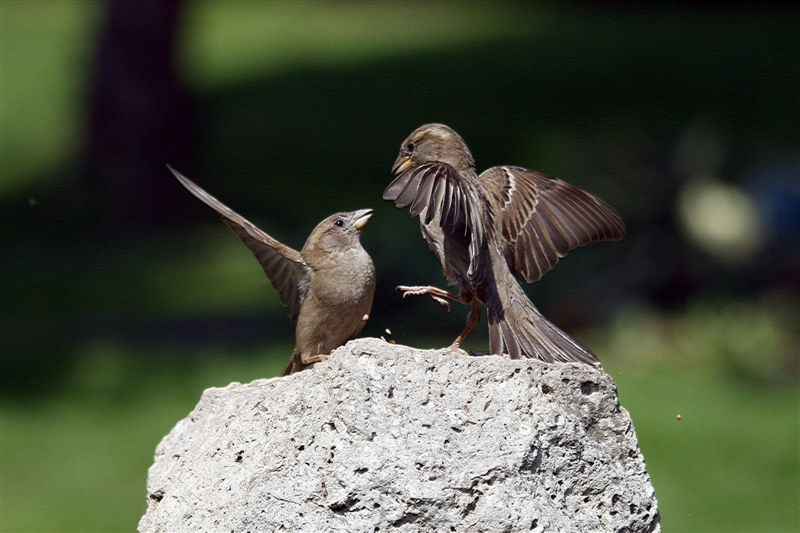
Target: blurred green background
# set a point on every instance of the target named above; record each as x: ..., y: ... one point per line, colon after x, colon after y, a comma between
x: 123, y: 297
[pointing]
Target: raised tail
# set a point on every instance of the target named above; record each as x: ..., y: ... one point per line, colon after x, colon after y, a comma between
x: 517, y: 328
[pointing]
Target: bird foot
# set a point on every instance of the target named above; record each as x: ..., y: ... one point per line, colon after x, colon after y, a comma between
x: 436, y: 294
x: 414, y: 290
x: 318, y: 358
x: 441, y: 301
x: 457, y: 350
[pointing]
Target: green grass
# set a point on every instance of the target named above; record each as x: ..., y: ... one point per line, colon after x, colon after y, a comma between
x: 45, y: 60
x: 731, y: 463
x: 46, y: 56
x: 78, y: 461
x: 291, y: 35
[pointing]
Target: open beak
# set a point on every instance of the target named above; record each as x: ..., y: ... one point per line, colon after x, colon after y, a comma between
x: 361, y: 217
x: 402, y: 164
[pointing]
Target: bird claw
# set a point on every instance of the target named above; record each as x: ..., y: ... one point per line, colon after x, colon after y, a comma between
x: 441, y: 301
x: 422, y: 291
x: 317, y: 358
x: 457, y: 350
x: 412, y: 291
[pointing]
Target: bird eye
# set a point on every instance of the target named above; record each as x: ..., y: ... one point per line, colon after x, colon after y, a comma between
x: 410, y: 146
x: 339, y: 223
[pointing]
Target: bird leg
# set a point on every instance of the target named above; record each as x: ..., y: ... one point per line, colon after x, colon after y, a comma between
x: 473, y: 320
x: 440, y: 296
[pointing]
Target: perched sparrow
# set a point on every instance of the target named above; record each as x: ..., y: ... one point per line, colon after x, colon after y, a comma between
x: 327, y: 286
x: 487, y: 229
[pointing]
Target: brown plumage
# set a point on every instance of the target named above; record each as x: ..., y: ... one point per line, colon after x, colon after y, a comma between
x: 487, y: 229
x: 327, y: 287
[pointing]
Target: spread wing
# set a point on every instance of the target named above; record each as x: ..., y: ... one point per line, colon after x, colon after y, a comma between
x: 433, y: 189
x: 538, y: 219
x: 283, y: 265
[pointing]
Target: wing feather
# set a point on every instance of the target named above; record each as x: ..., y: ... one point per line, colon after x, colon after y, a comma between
x: 409, y: 193
x: 283, y: 265
x: 435, y: 203
x: 539, y: 219
x: 435, y: 188
x: 397, y: 185
x: 423, y: 194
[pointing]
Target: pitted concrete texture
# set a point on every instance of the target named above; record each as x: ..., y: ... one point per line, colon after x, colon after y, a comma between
x: 387, y: 437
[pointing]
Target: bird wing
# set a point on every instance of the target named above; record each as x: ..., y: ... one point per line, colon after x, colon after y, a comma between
x: 436, y: 188
x: 284, y: 266
x: 538, y: 219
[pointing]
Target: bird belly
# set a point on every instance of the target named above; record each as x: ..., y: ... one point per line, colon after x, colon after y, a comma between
x: 452, y: 250
x: 335, y: 309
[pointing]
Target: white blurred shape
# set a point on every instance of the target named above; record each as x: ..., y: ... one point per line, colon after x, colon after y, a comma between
x: 721, y: 219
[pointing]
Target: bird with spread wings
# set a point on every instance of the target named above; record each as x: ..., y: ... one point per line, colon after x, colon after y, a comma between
x: 327, y: 287
x: 488, y: 229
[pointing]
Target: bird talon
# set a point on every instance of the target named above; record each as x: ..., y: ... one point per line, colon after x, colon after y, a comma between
x: 457, y: 350
x: 410, y: 291
x: 441, y: 301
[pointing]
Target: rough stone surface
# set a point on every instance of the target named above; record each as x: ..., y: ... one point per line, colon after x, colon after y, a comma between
x: 387, y: 437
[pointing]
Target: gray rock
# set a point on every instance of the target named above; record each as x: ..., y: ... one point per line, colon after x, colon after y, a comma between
x: 390, y: 437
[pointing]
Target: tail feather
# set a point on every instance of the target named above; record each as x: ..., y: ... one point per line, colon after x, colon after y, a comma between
x: 495, y: 337
x: 294, y: 364
x: 517, y: 327
x: 510, y: 340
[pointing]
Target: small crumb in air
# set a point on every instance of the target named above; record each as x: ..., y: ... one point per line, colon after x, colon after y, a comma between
x: 388, y: 331
x: 678, y: 418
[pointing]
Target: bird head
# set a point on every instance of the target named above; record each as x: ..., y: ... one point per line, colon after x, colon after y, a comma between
x: 433, y: 143
x: 337, y: 233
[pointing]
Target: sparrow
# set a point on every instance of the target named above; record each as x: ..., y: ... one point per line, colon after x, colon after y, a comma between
x: 327, y: 287
x: 488, y: 229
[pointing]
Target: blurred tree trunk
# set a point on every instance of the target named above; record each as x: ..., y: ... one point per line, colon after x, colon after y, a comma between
x: 140, y: 118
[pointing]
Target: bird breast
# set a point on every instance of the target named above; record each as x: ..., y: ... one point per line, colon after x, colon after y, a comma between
x: 347, y: 283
